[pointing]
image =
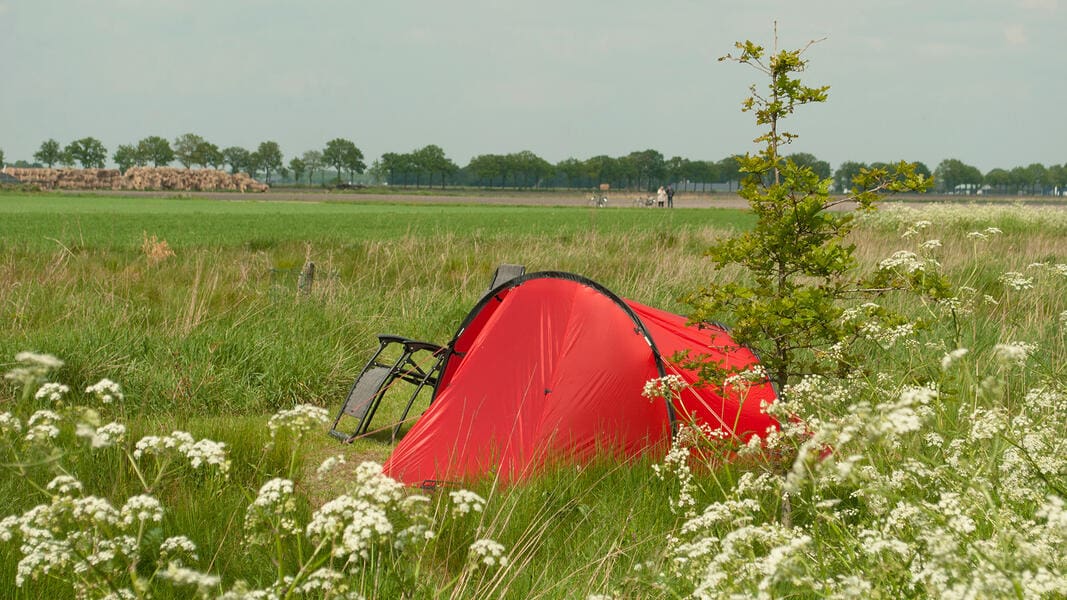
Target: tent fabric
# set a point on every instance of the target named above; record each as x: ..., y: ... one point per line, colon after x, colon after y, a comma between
x: 552, y: 365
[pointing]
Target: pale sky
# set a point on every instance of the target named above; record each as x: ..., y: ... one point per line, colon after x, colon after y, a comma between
x: 983, y: 81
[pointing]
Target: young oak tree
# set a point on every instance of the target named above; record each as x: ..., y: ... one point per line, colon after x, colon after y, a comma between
x: 799, y: 263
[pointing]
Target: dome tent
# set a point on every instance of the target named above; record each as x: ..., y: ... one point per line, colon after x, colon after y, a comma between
x: 552, y: 366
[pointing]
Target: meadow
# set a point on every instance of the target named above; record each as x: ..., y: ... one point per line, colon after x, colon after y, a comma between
x: 947, y: 480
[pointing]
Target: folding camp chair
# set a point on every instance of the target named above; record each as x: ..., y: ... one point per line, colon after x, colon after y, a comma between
x: 505, y: 273
x: 380, y: 373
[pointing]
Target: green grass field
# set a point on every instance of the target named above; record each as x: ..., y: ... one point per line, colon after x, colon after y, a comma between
x: 193, y: 307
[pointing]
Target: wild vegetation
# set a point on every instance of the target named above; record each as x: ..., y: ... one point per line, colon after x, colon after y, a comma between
x: 193, y: 307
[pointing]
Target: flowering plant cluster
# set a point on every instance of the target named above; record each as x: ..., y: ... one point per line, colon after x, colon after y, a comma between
x: 102, y: 548
x: 949, y: 482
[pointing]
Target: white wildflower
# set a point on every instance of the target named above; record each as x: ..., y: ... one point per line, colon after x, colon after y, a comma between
x: 1012, y: 353
x: 106, y: 391
x: 374, y: 485
x: 9, y: 423
x: 985, y: 424
x: 930, y: 244
x: 43, y: 417
x: 949, y: 359
x: 488, y: 553
x: 102, y: 437
x: 365, y: 527
x: 180, y: 575
x: 42, y: 432
x: 298, y: 420
x: 663, y: 387
x: 208, y: 452
x: 1017, y: 281
x: 64, y: 485
x: 176, y: 549
x: 141, y: 509
x: 465, y: 502
x: 33, y: 368
x: 329, y: 464
x: 903, y: 260
x: 272, y: 512
x: 933, y: 439
x: 52, y: 392
x: 198, y: 452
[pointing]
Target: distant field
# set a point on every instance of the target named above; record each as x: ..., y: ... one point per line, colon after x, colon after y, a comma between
x: 40, y: 222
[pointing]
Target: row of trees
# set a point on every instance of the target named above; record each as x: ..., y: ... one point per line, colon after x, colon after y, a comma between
x: 643, y: 170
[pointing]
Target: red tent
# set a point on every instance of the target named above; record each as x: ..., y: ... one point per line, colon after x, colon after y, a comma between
x: 552, y: 365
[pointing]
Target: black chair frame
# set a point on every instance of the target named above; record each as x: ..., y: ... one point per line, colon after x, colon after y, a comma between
x: 379, y: 374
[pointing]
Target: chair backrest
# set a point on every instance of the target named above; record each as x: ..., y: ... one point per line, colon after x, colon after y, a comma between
x: 504, y: 273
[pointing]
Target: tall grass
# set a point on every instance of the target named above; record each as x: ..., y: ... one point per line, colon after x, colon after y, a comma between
x: 922, y: 496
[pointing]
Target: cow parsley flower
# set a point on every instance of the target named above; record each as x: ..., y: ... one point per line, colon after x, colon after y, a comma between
x: 41, y: 426
x: 663, y: 387
x: 176, y: 549
x: 465, y: 502
x: 1017, y: 281
x: 52, y: 392
x: 64, y: 485
x: 33, y: 368
x: 329, y: 464
x: 141, y: 509
x: 106, y: 391
x: 488, y: 553
x: 272, y: 512
x: 198, y: 452
x: 949, y: 359
x: 1012, y: 353
x: 903, y: 260
x: 299, y: 420
x: 180, y: 575
x: 9, y: 423
x: 104, y: 436
x: 374, y: 485
x: 365, y: 528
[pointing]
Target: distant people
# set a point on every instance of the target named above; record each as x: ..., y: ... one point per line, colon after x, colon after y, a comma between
x: 670, y: 196
x: 661, y: 197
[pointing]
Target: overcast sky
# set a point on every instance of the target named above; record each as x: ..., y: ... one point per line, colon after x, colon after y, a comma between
x: 984, y: 81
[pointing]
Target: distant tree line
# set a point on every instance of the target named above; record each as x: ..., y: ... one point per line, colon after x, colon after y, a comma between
x: 430, y: 166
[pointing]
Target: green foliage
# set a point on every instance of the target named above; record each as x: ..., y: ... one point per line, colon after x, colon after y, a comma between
x: 953, y: 172
x: 343, y: 154
x: 49, y: 154
x: 797, y: 255
x: 208, y: 154
x: 155, y: 150
x: 125, y: 157
x: 89, y: 152
x: 298, y: 167
x: 185, y: 149
x: 268, y: 157
x: 238, y: 158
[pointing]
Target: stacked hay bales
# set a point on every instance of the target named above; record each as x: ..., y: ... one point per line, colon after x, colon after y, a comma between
x: 45, y: 178
x: 198, y: 180
x: 138, y: 178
